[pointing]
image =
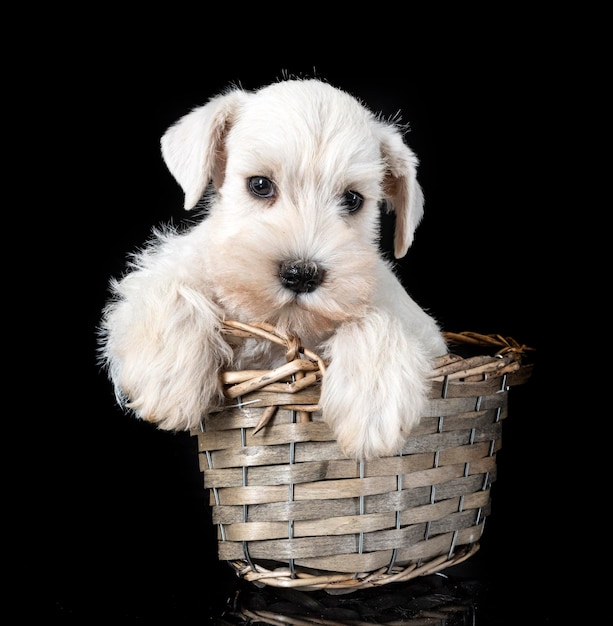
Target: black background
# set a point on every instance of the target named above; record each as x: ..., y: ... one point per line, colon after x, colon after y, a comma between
x: 122, y: 524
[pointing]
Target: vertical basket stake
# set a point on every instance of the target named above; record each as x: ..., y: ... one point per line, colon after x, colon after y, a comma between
x: 244, y: 481
x: 292, y: 461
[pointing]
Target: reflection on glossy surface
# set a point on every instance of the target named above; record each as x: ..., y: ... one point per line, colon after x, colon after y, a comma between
x: 437, y: 599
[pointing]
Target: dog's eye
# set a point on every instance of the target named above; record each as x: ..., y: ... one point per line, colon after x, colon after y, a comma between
x: 261, y: 187
x: 352, y: 201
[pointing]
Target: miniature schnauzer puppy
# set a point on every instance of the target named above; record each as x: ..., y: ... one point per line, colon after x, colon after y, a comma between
x: 294, y: 177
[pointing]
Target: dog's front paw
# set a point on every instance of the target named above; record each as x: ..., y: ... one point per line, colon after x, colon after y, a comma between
x: 163, y: 350
x: 375, y: 389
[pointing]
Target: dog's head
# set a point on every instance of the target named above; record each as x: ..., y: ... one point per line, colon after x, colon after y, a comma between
x: 299, y: 170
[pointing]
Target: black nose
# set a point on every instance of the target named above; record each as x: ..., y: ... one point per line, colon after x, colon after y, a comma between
x: 300, y: 276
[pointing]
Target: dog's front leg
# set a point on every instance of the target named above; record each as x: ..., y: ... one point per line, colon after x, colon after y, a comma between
x: 162, y: 345
x: 375, y: 388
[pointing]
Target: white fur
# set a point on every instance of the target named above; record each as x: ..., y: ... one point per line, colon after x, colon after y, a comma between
x: 160, y: 333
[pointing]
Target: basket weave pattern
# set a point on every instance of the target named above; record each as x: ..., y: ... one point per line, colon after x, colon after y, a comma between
x: 292, y: 511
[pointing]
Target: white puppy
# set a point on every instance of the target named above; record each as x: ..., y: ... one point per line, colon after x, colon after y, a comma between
x: 294, y: 176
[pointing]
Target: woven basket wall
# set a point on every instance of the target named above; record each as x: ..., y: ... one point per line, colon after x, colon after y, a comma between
x: 292, y: 511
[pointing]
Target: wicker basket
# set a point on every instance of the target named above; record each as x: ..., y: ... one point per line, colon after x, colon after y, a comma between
x: 292, y: 511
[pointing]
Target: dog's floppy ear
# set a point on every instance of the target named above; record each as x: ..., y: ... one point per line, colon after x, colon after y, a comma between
x: 192, y: 148
x: 402, y: 191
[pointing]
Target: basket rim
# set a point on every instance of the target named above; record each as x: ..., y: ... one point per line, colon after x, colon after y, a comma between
x: 305, y: 369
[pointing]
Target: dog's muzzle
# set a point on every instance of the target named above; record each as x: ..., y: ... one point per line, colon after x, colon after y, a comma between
x: 300, y: 276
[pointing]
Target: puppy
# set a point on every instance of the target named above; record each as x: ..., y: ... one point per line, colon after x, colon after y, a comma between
x: 293, y: 177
